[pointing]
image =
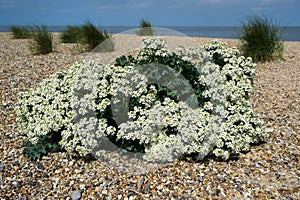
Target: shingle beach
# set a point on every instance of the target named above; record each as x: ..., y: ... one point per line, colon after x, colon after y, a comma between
x: 268, y: 171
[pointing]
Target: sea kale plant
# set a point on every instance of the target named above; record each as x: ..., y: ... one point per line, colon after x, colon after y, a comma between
x: 162, y: 104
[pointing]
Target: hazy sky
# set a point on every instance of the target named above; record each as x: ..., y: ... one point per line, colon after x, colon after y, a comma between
x: 159, y: 12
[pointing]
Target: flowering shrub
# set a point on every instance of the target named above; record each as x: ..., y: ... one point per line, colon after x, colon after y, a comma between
x: 202, y: 107
x: 240, y: 125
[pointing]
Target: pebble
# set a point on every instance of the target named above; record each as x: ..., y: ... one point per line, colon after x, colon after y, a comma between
x: 200, y: 179
x: 40, y: 166
x: 75, y: 195
x: 247, y: 195
x: 269, y: 130
x: 82, y: 186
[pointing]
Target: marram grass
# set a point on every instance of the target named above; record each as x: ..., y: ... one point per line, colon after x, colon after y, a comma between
x: 261, y: 39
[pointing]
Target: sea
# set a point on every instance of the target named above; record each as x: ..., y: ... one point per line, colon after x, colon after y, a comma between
x: 291, y: 33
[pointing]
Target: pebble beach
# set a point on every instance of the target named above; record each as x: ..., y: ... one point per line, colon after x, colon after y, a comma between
x: 268, y: 171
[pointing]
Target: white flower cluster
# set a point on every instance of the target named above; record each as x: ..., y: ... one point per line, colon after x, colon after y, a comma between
x: 76, y: 104
x: 154, y: 43
x: 153, y: 46
x: 191, y: 53
x: 194, y: 129
x: 230, y: 90
x: 47, y: 109
x: 147, y: 54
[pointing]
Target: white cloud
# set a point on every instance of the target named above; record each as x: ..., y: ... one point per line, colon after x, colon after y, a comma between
x: 270, y: 1
x: 237, y: 1
x: 266, y: 5
x: 216, y: 1
x: 7, y: 4
x: 144, y: 4
x: 179, y: 3
x: 124, y: 4
x: 263, y: 2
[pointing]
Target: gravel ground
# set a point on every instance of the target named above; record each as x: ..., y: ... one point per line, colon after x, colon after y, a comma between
x: 269, y: 171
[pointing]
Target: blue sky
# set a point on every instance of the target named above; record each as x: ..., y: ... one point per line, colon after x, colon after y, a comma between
x: 159, y: 12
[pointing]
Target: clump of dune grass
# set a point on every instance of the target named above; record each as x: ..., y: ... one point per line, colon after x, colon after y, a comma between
x: 145, y: 28
x: 72, y: 34
x: 21, y: 32
x: 42, y: 40
x: 89, y: 36
x: 92, y: 37
x: 261, y: 38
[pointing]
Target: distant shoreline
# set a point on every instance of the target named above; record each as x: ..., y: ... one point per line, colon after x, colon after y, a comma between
x: 291, y: 33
